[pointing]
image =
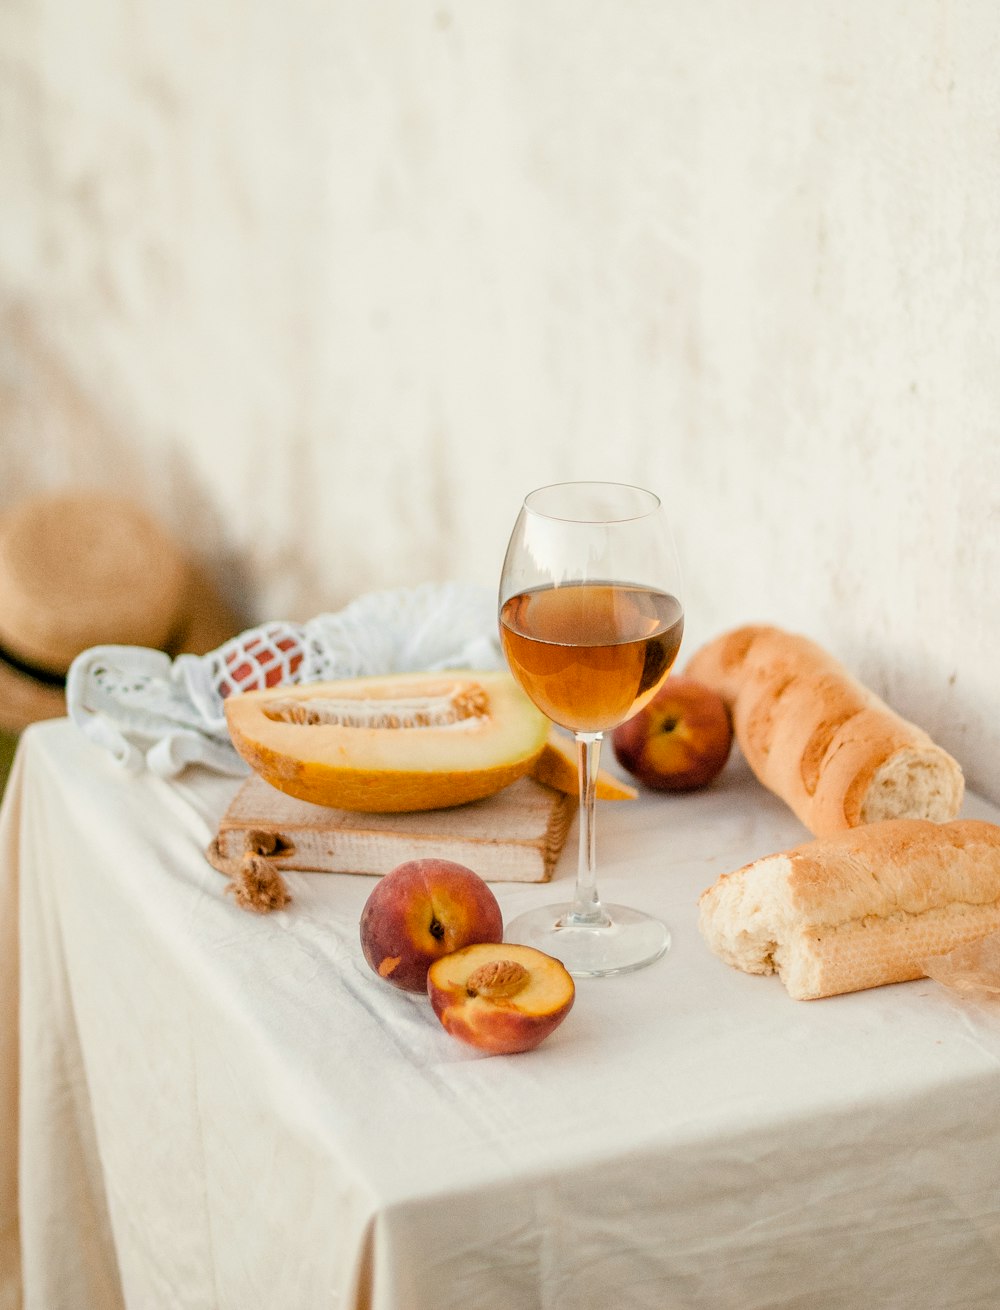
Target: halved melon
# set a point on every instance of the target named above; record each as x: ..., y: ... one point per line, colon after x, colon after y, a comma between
x: 413, y: 741
x: 557, y: 767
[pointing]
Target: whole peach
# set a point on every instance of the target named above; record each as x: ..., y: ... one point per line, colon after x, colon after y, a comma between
x: 679, y: 741
x: 421, y: 910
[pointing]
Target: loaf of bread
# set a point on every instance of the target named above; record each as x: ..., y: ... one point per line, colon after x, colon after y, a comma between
x: 859, y: 909
x: 830, y: 748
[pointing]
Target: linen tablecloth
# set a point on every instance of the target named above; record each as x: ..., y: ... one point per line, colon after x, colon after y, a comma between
x: 206, y: 1108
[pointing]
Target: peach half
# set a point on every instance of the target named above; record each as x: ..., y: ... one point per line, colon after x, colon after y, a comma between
x: 421, y: 910
x: 500, y: 998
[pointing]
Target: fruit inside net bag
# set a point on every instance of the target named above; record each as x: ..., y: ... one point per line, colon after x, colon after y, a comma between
x: 162, y: 714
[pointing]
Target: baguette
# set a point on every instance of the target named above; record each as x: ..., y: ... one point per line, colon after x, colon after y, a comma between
x: 835, y: 753
x: 859, y: 909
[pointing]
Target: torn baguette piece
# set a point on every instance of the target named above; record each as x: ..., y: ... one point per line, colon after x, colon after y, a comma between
x: 835, y: 753
x: 859, y: 909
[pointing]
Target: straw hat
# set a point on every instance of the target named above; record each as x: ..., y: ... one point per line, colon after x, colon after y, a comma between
x: 86, y: 569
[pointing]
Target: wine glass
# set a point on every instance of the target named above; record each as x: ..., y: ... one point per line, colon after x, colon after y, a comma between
x: 591, y: 621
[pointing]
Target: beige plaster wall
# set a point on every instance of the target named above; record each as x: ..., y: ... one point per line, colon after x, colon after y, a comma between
x: 331, y: 285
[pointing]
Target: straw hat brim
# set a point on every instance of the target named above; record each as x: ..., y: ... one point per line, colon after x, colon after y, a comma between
x: 186, y: 613
x: 79, y: 569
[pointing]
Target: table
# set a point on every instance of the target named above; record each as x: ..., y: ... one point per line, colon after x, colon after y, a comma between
x: 224, y: 1110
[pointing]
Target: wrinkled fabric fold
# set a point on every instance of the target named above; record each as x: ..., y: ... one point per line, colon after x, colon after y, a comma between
x: 228, y: 1112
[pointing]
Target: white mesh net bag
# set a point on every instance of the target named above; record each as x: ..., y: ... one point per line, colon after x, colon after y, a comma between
x: 152, y: 712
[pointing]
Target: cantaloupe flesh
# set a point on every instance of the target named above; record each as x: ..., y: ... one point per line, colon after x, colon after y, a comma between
x: 390, y: 770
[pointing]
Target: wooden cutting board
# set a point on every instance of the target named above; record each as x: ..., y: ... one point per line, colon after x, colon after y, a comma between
x: 513, y: 836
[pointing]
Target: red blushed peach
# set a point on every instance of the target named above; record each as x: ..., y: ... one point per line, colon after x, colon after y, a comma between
x: 679, y: 741
x: 501, y: 999
x: 421, y: 910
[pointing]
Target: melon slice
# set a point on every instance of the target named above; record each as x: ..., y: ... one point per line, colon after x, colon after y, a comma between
x: 557, y: 767
x: 413, y: 741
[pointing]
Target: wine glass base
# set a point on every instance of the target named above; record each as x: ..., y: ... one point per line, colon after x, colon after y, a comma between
x: 620, y: 942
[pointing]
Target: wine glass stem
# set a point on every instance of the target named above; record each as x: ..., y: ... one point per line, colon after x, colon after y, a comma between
x: 586, y: 902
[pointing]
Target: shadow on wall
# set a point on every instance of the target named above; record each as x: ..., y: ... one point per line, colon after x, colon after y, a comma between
x: 189, y: 511
x: 57, y: 427
x: 66, y: 443
x: 66, y: 433
x: 60, y: 432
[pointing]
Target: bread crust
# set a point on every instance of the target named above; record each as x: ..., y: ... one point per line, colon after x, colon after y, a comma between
x: 859, y: 909
x: 815, y: 736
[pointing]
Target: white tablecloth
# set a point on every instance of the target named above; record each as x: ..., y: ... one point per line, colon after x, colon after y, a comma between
x: 224, y: 1110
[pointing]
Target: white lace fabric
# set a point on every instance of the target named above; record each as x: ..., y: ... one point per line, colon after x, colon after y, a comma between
x: 153, y: 712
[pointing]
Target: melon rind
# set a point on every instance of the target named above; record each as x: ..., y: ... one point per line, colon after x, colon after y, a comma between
x: 391, y: 770
x: 557, y: 767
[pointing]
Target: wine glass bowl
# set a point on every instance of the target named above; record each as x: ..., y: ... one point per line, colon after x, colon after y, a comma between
x: 591, y: 654
x: 591, y: 621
